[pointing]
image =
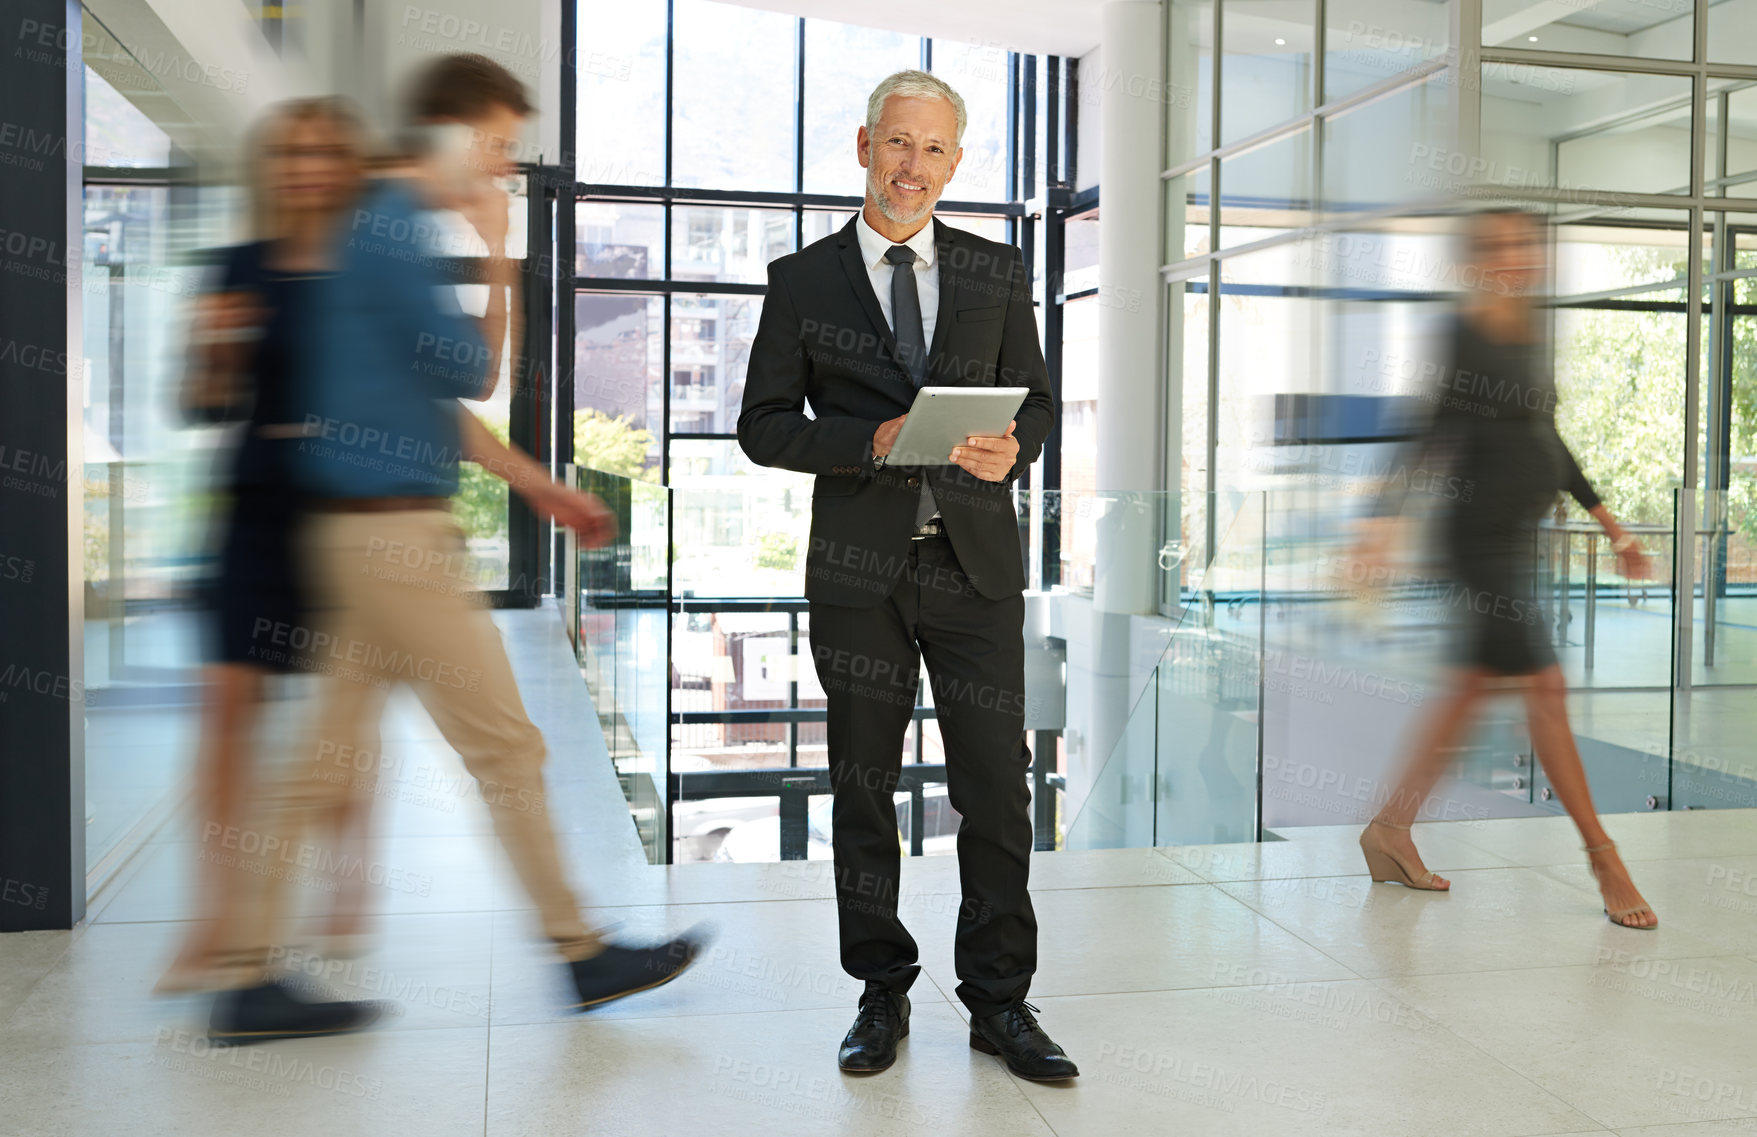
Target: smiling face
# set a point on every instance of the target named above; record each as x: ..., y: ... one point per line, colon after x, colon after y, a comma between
x: 1509, y: 252
x: 909, y: 157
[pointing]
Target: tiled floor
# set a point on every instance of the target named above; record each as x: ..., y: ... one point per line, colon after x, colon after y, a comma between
x: 1232, y: 989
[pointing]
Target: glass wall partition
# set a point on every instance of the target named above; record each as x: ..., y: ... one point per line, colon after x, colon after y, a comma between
x: 619, y: 617
x: 146, y: 478
x: 1311, y: 264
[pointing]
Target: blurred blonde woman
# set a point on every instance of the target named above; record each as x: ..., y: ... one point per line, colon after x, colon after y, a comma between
x: 307, y: 165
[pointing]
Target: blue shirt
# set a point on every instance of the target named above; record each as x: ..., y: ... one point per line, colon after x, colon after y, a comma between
x: 390, y: 355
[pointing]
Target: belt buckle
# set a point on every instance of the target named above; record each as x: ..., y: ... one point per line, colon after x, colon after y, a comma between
x: 933, y: 527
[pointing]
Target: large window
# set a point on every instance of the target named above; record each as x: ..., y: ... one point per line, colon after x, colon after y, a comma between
x: 1318, y: 155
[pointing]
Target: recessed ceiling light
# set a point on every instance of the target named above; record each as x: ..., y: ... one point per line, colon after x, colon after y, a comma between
x: 1533, y: 39
x: 1280, y: 43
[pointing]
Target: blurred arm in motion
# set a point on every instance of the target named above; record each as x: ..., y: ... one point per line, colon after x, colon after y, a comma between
x: 584, y: 513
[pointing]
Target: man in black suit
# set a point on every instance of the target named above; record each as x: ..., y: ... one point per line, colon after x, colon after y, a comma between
x: 913, y: 563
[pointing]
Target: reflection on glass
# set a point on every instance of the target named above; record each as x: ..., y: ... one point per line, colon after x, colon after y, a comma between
x: 821, y: 223
x: 1187, y: 205
x: 1189, y: 307
x: 1267, y: 190
x: 1079, y: 422
x: 481, y: 502
x: 843, y: 63
x: 1190, y: 95
x: 979, y: 73
x: 1080, y: 253
x: 1597, y: 258
x: 116, y: 132
x: 1266, y: 68
x: 621, y: 92
x: 741, y: 528
x: 1730, y: 162
x: 1656, y: 29
x: 1374, y: 155
x: 731, y: 244
x: 735, y: 67
x: 146, y: 517
x: 619, y: 240
x: 1609, y: 131
x: 1368, y: 41
x: 617, y: 401
x: 1730, y: 24
x: 1611, y: 356
x: 988, y: 226
x: 1268, y: 330
x: 1712, y: 766
x: 710, y: 348
x: 621, y: 643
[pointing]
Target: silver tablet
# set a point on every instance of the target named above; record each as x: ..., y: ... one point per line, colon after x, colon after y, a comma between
x: 942, y: 417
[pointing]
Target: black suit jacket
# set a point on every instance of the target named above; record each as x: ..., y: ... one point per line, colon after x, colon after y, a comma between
x: 823, y: 341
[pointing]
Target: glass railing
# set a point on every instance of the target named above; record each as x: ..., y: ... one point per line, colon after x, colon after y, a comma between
x: 1183, y: 769
x: 1714, y: 656
x: 1200, y: 668
x: 619, y: 612
x: 1384, y: 640
x: 1291, y: 678
x: 1108, y: 579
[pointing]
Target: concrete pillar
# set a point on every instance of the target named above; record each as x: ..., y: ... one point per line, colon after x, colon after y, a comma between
x: 1112, y: 643
x: 1132, y: 401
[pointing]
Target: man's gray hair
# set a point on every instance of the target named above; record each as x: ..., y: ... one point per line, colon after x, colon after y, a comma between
x: 915, y: 85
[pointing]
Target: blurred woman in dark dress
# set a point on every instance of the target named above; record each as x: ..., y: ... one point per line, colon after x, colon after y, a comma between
x: 307, y: 168
x: 1493, y: 431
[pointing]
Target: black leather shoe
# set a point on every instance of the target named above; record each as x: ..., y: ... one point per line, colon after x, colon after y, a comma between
x: 871, y: 1043
x: 275, y: 1009
x: 1015, y: 1036
x: 617, y: 971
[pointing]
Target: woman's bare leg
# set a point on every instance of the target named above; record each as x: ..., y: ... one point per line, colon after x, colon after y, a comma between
x: 231, y: 705
x: 1427, y: 763
x: 1546, y: 709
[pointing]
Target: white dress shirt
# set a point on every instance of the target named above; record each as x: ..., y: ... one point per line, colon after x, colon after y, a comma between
x: 873, y: 248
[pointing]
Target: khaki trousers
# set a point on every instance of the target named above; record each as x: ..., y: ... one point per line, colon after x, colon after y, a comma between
x: 394, y: 601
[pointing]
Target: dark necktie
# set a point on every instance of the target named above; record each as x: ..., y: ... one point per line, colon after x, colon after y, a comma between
x: 906, y: 313
x: 911, y: 341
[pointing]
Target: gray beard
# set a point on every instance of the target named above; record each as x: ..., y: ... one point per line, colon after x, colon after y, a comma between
x: 875, y: 191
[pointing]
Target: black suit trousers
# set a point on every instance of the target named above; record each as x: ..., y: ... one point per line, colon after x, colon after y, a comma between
x: 868, y: 660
